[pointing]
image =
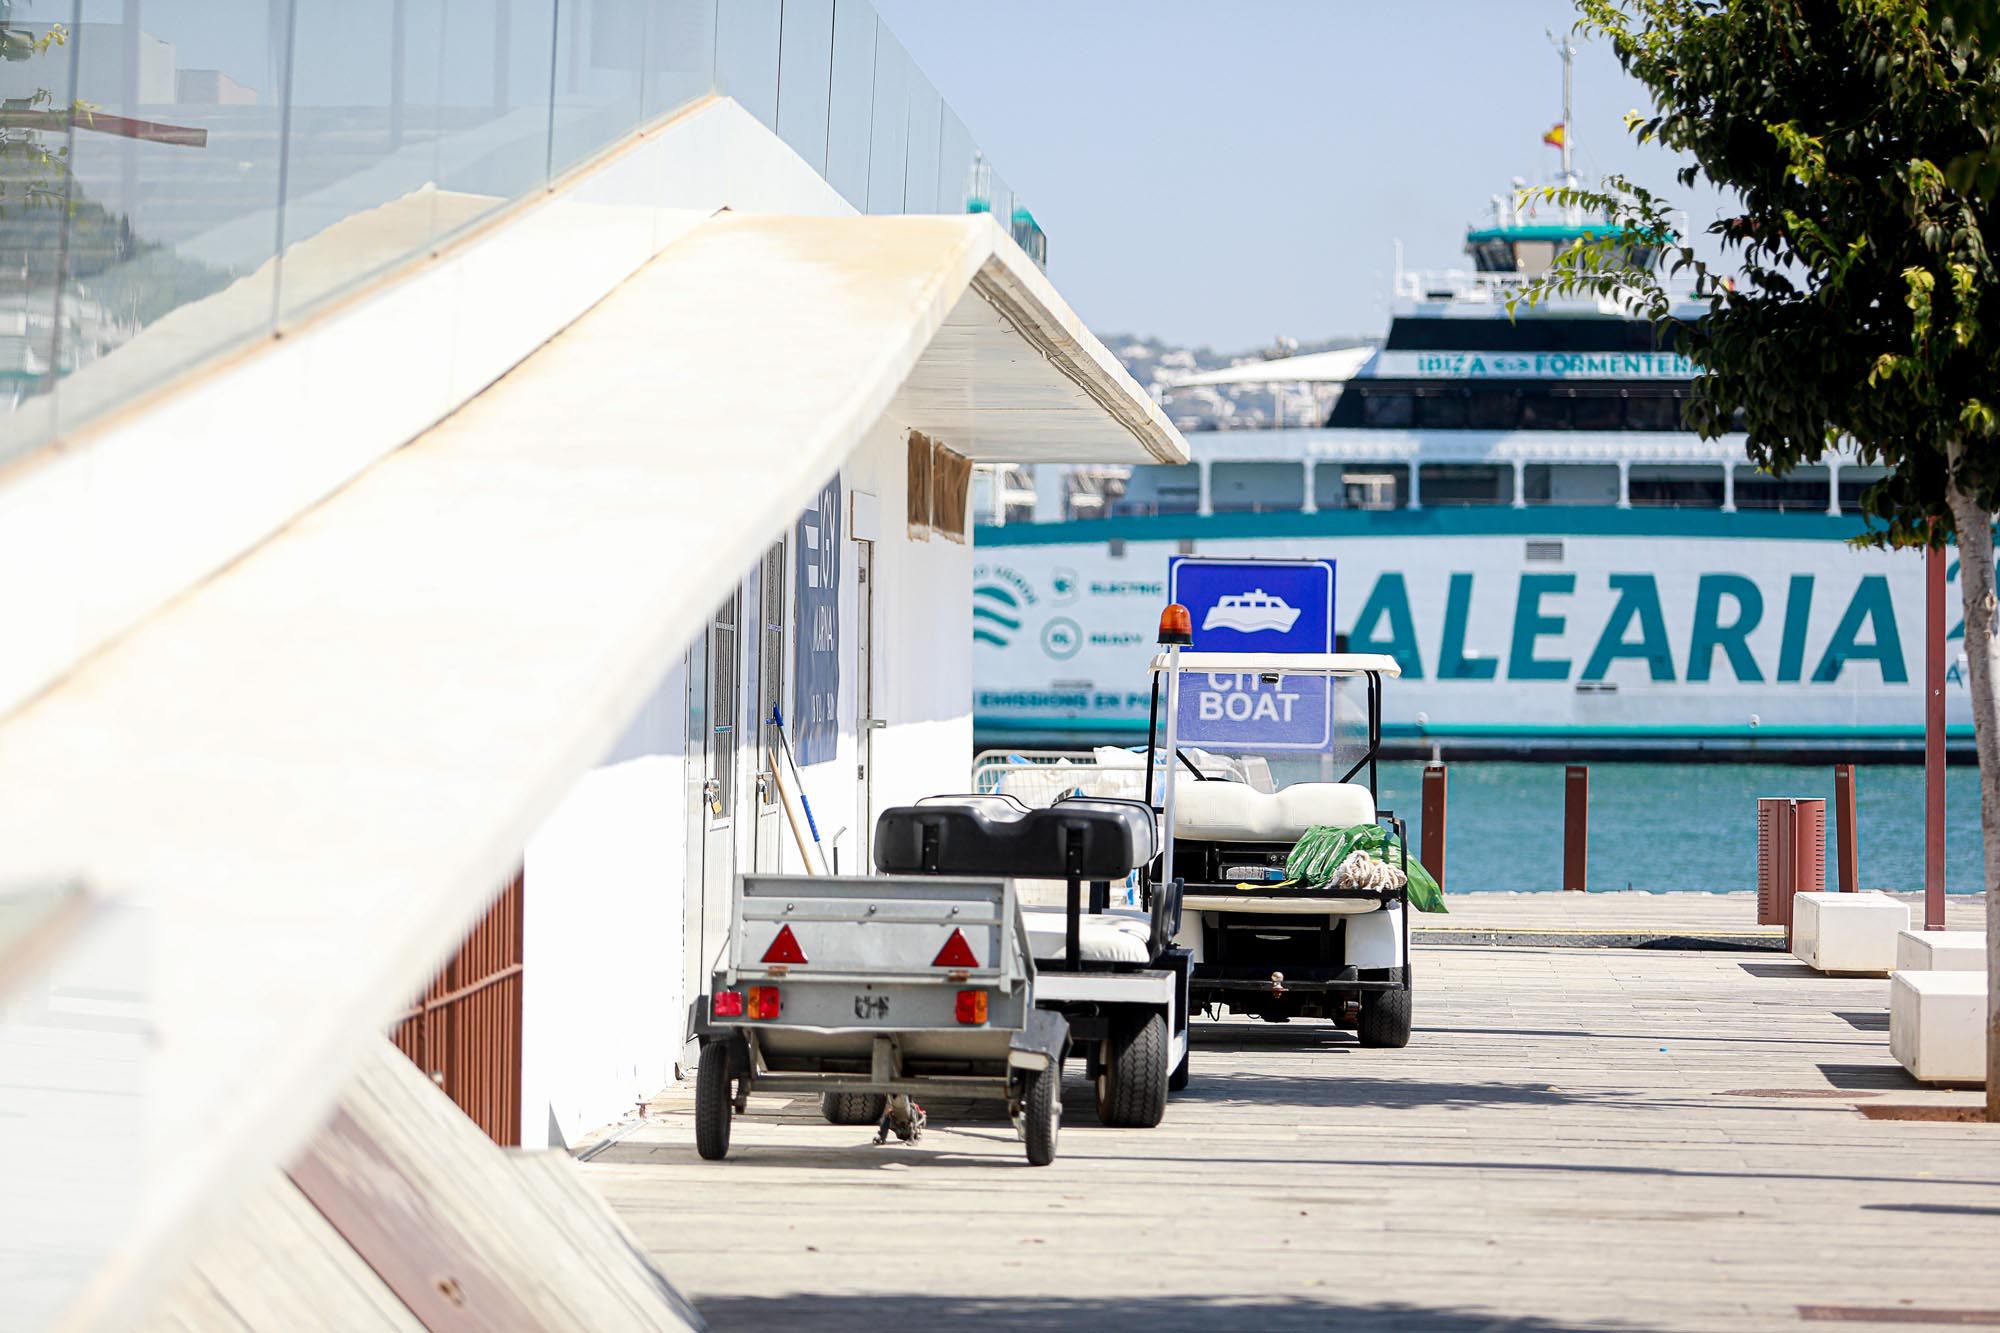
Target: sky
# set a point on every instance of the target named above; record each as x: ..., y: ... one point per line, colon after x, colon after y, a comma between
x: 1224, y: 172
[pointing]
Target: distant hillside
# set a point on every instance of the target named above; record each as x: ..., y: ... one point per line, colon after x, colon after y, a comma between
x: 1155, y: 364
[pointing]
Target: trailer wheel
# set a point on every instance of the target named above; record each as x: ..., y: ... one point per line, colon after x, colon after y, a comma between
x: 712, y: 1102
x: 1178, y: 1080
x: 1132, y: 1090
x: 1041, y: 1112
x: 1385, y: 1018
x: 853, y: 1108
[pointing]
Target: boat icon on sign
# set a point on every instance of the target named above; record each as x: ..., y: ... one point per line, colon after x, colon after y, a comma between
x: 1250, y: 612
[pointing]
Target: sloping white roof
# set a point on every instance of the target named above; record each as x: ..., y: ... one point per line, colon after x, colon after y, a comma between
x: 300, y: 783
x: 1332, y: 367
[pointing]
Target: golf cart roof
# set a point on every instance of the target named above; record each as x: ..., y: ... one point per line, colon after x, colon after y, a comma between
x: 1289, y: 664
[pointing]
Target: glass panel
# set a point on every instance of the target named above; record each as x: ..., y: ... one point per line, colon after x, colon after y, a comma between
x: 851, y: 100
x: 805, y: 71
x: 175, y: 194
x: 32, y: 189
x: 955, y: 163
x: 680, y: 54
x: 601, y: 46
x: 493, y: 106
x: 920, y: 183
x: 746, y: 55
x: 362, y: 152
x: 889, y: 136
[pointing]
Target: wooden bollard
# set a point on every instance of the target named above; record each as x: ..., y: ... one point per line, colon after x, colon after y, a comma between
x: 1576, y: 828
x: 1846, y: 840
x: 1433, y: 816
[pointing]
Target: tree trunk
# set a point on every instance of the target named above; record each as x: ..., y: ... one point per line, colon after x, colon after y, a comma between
x: 1975, y: 582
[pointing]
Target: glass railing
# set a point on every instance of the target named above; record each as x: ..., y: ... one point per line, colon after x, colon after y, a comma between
x: 180, y: 177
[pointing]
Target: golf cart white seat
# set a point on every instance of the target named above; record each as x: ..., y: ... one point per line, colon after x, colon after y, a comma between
x: 1122, y: 935
x: 1235, y: 812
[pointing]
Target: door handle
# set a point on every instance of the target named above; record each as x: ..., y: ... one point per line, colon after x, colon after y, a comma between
x: 711, y: 792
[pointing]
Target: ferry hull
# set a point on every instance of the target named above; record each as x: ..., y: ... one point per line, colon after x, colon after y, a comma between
x: 1599, y: 630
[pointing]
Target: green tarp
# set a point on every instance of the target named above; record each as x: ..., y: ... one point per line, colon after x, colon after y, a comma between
x: 1317, y: 856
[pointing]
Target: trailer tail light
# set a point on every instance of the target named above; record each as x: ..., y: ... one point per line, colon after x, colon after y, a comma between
x: 726, y: 1004
x: 764, y: 1002
x: 785, y: 948
x: 957, y: 952
x: 972, y: 1006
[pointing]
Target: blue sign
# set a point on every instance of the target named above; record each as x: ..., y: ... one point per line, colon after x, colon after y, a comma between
x: 815, y: 714
x: 1255, y: 606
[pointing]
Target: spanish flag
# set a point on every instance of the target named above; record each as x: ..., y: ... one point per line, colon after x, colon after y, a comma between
x: 1554, y: 138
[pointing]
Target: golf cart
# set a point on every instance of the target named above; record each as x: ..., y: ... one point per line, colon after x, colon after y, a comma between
x: 1113, y: 974
x: 1263, y: 944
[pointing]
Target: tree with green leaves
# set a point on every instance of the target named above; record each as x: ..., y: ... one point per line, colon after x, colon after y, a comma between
x: 1860, y: 306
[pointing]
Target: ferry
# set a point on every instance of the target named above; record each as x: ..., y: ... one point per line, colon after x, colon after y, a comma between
x: 1516, y: 513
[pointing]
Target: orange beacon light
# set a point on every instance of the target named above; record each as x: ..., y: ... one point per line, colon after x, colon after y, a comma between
x: 1176, y: 626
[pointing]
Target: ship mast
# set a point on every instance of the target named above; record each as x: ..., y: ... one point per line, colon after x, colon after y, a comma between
x: 1563, y: 44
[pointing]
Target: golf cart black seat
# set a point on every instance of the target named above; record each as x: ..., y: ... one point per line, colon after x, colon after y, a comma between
x: 1081, y: 839
x: 1084, y: 838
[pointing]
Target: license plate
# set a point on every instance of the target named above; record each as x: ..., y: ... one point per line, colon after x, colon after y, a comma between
x: 869, y: 1006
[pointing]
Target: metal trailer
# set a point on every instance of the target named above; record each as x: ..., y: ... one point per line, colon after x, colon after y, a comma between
x: 1126, y: 1005
x: 1263, y: 948
x: 872, y: 992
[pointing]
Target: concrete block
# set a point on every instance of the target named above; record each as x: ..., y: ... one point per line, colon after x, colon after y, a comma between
x: 1937, y: 1025
x: 1941, y: 951
x: 1848, y: 932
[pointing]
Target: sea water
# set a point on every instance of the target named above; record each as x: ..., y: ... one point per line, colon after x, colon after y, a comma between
x: 1665, y: 827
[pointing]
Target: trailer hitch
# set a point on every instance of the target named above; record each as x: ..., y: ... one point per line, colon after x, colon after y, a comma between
x: 903, y: 1118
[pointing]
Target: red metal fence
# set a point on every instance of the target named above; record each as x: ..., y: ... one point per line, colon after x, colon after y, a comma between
x: 465, y: 1031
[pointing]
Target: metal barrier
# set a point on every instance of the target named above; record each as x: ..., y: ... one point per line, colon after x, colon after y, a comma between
x: 465, y: 1031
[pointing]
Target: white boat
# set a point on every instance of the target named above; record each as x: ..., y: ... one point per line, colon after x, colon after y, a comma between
x: 1517, y: 514
x: 1251, y: 612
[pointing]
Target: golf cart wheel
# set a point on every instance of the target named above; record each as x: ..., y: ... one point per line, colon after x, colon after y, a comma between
x: 1178, y: 1080
x: 1132, y: 1089
x: 853, y: 1108
x: 712, y: 1102
x: 1041, y: 1110
x: 1385, y: 1018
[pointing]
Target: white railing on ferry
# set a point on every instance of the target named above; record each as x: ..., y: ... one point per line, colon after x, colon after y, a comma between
x: 1458, y: 284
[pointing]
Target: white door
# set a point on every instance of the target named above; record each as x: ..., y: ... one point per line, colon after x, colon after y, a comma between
x: 864, y: 703
x: 717, y: 724
x: 768, y: 668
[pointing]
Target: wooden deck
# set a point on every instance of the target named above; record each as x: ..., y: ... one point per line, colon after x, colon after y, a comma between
x: 1575, y: 1139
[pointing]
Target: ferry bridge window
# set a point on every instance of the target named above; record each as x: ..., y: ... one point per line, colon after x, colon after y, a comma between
x: 1854, y: 482
x: 1361, y: 485
x: 1466, y: 484
x: 1173, y: 488
x: 1492, y: 409
x: 1801, y: 490
x: 1387, y: 409
x: 1653, y: 411
x: 1597, y: 410
x: 1256, y: 488
x: 1676, y: 487
x: 1441, y: 410
x: 1545, y: 411
x: 1570, y: 483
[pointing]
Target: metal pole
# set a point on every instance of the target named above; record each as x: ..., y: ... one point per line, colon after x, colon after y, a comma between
x: 1434, y: 816
x: 1576, y: 828
x: 1845, y: 839
x: 1934, y: 739
x: 1171, y: 762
